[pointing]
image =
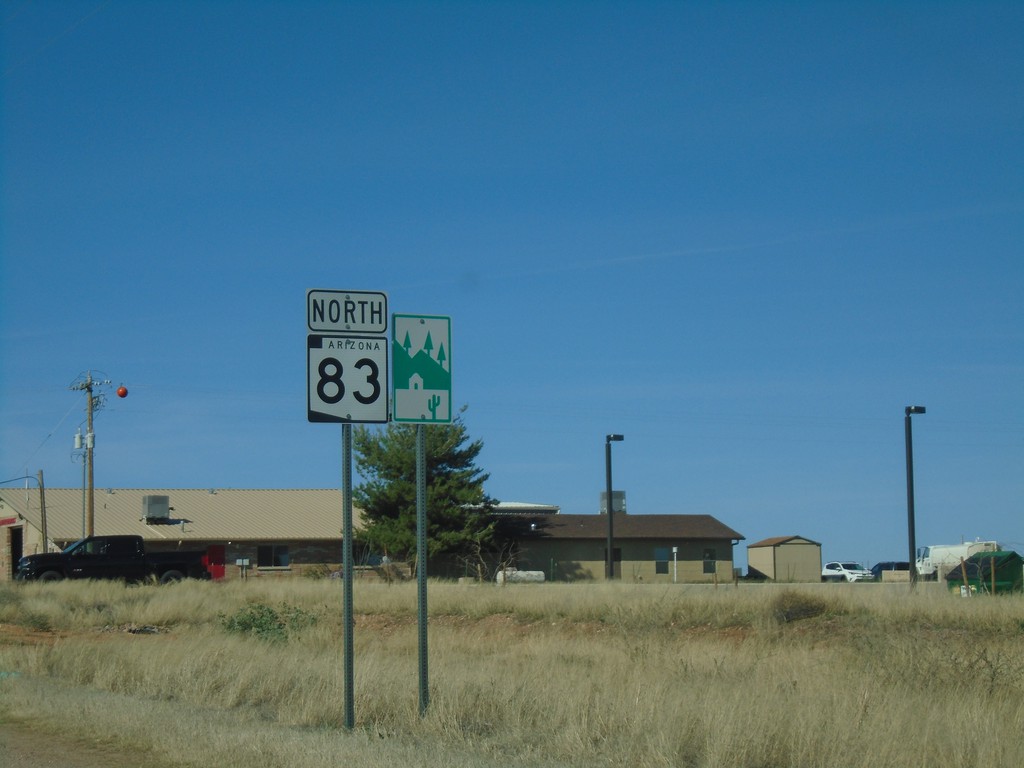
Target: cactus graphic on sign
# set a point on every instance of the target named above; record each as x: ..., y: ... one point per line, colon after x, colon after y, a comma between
x: 421, y: 367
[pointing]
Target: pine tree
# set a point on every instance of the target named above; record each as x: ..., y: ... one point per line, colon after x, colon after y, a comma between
x: 459, y: 522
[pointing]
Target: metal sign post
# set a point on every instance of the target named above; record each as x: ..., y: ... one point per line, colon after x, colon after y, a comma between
x: 347, y: 382
x: 421, y: 562
x: 346, y: 556
x: 421, y: 364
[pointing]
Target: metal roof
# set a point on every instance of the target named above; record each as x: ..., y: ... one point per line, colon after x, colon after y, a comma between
x: 226, y: 514
x: 196, y: 514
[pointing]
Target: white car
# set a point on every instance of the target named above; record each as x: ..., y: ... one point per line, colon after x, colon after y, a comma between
x: 846, y: 571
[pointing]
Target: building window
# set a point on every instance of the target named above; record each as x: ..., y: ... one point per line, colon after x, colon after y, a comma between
x: 661, y: 560
x: 710, y: 558
x: 272, y: 556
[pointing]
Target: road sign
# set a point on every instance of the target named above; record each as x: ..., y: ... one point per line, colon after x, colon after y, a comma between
x: 363, y: 313
x: 421, y: 364
x: 347, y: 379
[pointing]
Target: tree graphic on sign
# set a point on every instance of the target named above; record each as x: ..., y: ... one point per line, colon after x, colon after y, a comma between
x: 422, y: 382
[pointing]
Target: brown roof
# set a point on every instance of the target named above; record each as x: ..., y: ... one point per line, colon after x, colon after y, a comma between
x: 626, y: 526
x: 777, y: 540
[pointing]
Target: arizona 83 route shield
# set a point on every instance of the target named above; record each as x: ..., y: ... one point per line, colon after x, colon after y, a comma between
x: 348, y: 379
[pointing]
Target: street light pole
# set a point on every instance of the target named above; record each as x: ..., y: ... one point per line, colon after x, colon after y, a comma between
x: 42, y: 505
x: 911, y: 535
x: 609, y: 507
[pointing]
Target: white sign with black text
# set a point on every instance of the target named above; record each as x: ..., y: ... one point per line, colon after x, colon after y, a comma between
x: 348, y: 378
x: 362, y: 313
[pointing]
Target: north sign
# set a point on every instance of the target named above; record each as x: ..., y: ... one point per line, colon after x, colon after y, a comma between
x: 347, y: 312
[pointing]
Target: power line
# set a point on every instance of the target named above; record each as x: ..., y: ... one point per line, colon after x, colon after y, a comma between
x: 47, y: 438
x: 56, y: 38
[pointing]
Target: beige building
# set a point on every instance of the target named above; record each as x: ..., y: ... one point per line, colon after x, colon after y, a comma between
x: 256, y: 532
x: 647, y: 548
x: 785, y: 558
x: 262, y: 533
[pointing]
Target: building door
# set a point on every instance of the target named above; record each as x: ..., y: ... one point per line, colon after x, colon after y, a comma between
x: 16, y: 548
x: 214, y: 560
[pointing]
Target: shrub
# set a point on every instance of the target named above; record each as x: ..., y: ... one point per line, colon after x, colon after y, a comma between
x: 795, y: 606
x: 266, y: 623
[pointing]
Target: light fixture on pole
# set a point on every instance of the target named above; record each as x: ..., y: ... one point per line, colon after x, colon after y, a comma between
x: 609, y: 507
x: 911, y: 535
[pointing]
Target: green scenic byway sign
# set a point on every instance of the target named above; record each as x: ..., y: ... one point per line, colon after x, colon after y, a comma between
x: 421, y: 369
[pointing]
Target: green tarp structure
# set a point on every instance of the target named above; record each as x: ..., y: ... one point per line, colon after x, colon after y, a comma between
x: 1007, y: 566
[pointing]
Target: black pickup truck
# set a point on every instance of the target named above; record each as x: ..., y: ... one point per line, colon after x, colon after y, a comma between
x: 113, y: 557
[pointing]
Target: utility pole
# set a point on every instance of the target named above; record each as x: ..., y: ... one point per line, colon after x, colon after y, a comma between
x: 42, y: 513
x: 90, y: 441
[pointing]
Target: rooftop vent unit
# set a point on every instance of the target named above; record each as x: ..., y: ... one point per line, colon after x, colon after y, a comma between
x: 618, y: 502
x: 156, y: 509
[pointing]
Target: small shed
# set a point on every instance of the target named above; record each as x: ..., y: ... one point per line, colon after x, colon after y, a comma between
x: 785, y: 558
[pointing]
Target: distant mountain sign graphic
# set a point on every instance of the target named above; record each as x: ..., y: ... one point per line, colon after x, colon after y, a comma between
x: 432, y: 373
x: 421, y: 371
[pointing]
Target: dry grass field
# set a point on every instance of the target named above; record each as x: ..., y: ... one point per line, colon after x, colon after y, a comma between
x: 754, y: 676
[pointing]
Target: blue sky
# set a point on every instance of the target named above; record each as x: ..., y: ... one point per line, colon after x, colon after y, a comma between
x: 744, y: 235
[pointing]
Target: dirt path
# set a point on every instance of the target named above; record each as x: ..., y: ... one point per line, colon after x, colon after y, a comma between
x: 28, y: 745
x: 22, y: 746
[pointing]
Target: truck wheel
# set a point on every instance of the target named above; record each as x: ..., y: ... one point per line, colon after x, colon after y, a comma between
x: 169, y: 577
x: 51, y: 576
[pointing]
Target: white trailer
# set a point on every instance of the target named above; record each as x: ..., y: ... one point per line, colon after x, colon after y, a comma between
x: 936, y: 561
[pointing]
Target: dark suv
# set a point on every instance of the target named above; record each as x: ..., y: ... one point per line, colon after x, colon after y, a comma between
x: 888, y: 565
